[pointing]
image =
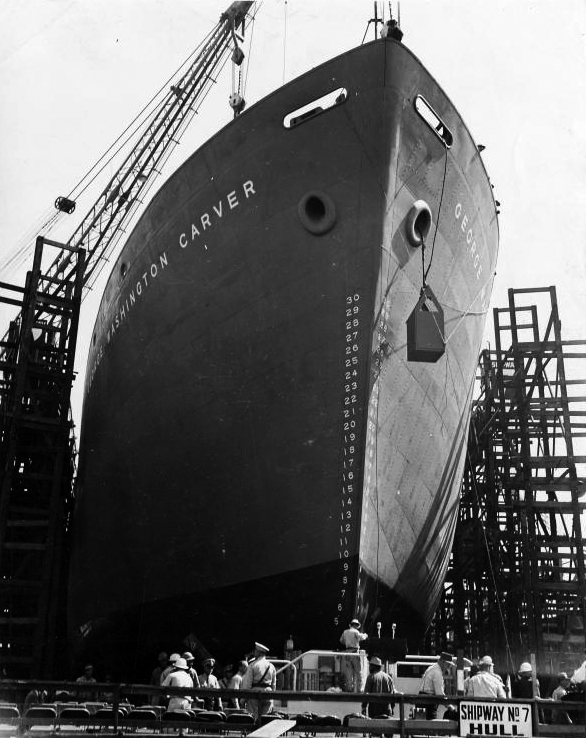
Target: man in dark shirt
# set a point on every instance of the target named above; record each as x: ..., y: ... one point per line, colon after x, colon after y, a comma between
x: 525, y: 685
x: 379, y: 682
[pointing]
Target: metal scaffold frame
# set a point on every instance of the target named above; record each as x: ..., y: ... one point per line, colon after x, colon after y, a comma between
x: 516, y: 584
x: 37, y: 462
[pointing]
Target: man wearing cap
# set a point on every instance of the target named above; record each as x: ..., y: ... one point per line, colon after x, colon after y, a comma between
x: 379, y: 682
x: 188, y: 656
x: 351, y: 639
x: 484, y: 683
x: 432, y: 682
x: 170, y: 666
x: 86, y: 678
x: 207, y: 680
x: 525, y: 685
x: 561, y: 717
x: 260, y: 674
x: 179, y: 678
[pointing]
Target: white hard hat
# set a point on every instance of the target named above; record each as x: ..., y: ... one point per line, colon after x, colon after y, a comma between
x: 525, y: 668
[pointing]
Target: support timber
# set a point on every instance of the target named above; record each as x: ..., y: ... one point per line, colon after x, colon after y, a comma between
x: 516, y: 583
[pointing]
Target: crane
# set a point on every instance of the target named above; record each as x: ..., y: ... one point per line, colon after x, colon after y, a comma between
x: 37, y: 445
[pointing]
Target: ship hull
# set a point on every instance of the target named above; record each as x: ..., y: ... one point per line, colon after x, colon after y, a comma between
x: 258, y: 457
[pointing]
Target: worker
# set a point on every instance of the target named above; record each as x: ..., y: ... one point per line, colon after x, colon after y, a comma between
x: 484, y: 683
x: 524, y: 685
x: 378, y: 681
x: 207, y: 680
x: 260, y: 674
x: 561, y: 717
x: 391, y: 30
x: 236, y: 681
x: 433, y: 683
x: 170, y: 666
x: 179, y: 678
x: 188, y: 656
x: 351, y: 639
x: 86, y: 678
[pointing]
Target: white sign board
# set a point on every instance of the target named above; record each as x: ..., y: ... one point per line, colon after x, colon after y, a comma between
x: 495, y: 718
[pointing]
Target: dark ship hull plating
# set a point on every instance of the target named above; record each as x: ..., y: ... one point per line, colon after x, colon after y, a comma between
x: 258, y: 458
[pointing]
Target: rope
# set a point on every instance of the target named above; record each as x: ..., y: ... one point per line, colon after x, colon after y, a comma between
x: 492, y: 574
x: 439, y: 210
x: 423, y: 273
x: 256, y: 10
x: 468, y: 311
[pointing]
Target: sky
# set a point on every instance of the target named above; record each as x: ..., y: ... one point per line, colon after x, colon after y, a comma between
x: 74, y: 73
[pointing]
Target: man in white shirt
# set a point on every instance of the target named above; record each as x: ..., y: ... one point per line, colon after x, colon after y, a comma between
x: 261, y: 674
x: 433, y: 682
x: 208, y: 680
x: 351, y: 639
x: 179, y: 678
x: 484, y: 683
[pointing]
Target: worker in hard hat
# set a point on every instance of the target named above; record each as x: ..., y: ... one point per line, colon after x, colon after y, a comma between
x: 525, y: 684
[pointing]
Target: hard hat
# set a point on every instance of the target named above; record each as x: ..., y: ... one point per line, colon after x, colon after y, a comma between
x: 181, y: 664
x: 525, y: 668
x: 375, y: 661
x: 355, y: 622
x: 188, y: 656
x: 173, y: 657
x: 486, y: 660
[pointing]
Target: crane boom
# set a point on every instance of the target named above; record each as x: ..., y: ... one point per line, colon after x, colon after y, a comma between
x: 103, y: 224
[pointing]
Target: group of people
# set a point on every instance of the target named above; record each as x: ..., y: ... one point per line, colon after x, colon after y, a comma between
x: 482, y: 681
x: 178, y: 670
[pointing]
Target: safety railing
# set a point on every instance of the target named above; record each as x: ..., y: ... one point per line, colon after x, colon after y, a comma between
x: 128, y: 709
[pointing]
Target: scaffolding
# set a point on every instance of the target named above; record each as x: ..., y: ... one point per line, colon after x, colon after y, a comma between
x: 516, y: 582
x: 37, y: 458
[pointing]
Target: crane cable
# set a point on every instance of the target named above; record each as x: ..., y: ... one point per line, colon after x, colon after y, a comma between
x: 103, y: 261
x: 44, y: 224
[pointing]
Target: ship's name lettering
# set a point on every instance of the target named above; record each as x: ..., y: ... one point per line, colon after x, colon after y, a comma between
x: 471, y: 245
x: 125, y: 305
x: 207, y: 219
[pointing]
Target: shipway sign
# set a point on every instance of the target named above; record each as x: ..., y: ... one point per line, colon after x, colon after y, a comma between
x: 495, y: 718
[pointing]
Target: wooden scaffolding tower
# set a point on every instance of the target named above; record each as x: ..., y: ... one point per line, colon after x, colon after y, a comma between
x: 516, y: 583
x: 36, y: 463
